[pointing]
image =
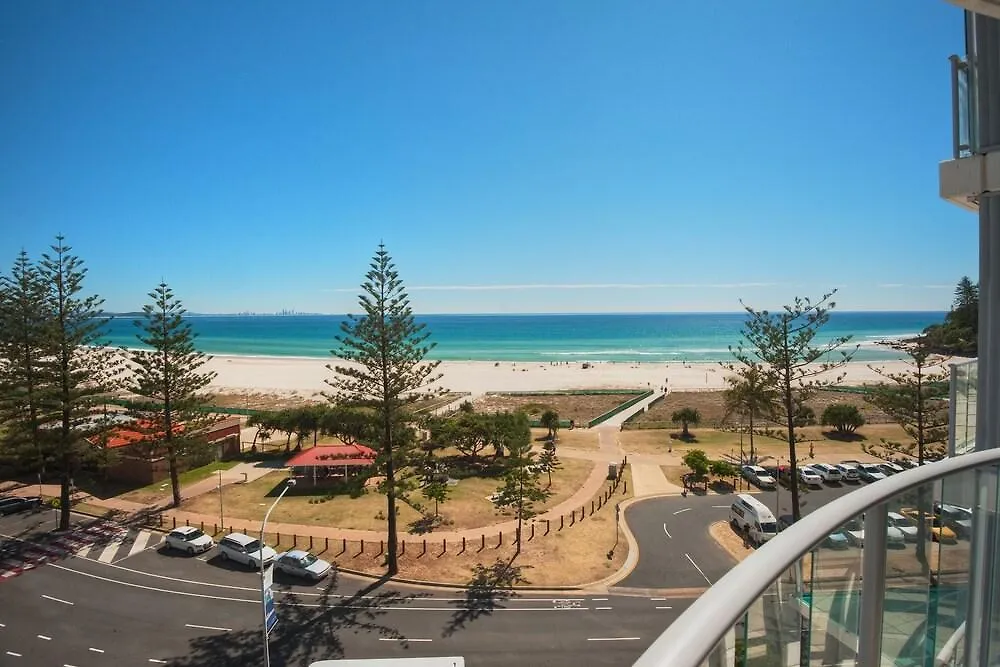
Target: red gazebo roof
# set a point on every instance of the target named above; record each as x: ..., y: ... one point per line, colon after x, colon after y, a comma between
x: 333, y: 455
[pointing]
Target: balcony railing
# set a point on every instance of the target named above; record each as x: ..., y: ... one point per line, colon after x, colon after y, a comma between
x: 897, y: 594
x: 962, y: 108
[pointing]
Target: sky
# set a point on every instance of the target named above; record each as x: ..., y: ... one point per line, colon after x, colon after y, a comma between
x: 517, y: 156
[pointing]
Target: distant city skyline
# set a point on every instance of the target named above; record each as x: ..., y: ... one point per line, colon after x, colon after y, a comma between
x: 576, y: 156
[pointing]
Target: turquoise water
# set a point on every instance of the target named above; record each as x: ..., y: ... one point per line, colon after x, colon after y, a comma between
x: 613, y: 337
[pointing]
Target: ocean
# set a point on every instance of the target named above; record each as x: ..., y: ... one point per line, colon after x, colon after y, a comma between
x: 654, y: 337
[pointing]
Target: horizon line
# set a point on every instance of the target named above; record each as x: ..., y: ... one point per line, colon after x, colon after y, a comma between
x: 522, y: 314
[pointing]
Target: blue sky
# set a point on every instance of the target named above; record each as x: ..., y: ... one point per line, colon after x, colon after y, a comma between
x: 562, y: 156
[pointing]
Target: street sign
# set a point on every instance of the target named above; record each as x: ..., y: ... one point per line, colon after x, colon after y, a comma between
x: 270, y: 614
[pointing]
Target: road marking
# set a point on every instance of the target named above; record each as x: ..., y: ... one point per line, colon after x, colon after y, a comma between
x: 688, y: 556
x: 48, y: 639
x: 96, y: 650
x: 601, y: 608
x: 664, y: 607
x: 16, y: 655
x: 402, y: 639
x: 141, y: 540
x: 109, y: 552
x: 158, y: 662
x: 49, y: 597
x: 599, y: 599
x: 83, y: 551
x: 612, y: 639
x: 686, y: 509
x: 207, y: 627
x: 669, y: 536
x: 658, y: 599
x: 720, y: 507
x: 2, y: 625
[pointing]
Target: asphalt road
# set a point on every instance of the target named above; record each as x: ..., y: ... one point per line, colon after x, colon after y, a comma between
x: 675, y: 549
x: 153, y: 607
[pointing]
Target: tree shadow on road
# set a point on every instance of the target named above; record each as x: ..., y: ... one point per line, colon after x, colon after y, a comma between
x: 490, y: 586
x: 309, y: 628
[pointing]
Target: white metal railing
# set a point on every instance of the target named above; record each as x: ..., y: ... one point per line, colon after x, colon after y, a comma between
x: 689, y: 640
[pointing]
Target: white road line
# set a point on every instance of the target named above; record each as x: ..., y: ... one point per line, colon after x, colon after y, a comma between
x: 82, y: 552
x: 16, y: 655
x: 720, y: 507
x: 158, y: 662
x: 402, y: 639
x: 658, y: 599
x: 96, y: 650
x: 686, y: 509
x: 2, y: 625
x: 601, y: 608
x: 109, y: 552
x: 612, y: 639
x: 49, y: 597
x: 48, y: 639
x: 207, y: 627
x: 66, y: 664
x: 141, y: 540
x: 669, y: 536
x: 688, y: 556
x: 664, y: 607
x: 599, y: 599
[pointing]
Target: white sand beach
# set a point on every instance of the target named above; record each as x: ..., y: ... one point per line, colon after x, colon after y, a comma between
x: 306, y: 376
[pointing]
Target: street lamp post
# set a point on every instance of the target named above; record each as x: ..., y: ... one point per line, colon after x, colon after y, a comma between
x: 263, y: 592
x: 222, y: 516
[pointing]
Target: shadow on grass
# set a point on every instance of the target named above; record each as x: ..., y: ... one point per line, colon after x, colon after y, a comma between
x: 309, y: 629
x: 489, y: 588
x: 688, y: 439
x: 844, y: 437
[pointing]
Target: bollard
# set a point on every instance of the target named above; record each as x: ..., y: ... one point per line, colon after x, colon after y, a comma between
x: 547, y: 527
x: 591, y: 506
x: 444, y: 547
x: 624, y: 487
x: 402, y: 551
x: 310, y: 543
x: 362, y: 547
x: 186, y: 522
x: 295, y: 541
x: 424, y: 551
x: 532, y: 536
x: 381, y: 548
x: 598, y: 503
x: 326, y: 546
x: 499, y: 541
x: 343, y: 548
x: 277, y: 539
x: 583, y: 514
x: 215, y: 529
x: 463, y: 546
x: 483, y: 545
x: 562, y: 521
x: 203, y: 526
x: 572, y: 518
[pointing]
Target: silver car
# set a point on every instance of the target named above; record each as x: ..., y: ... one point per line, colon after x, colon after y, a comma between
x: 246, y: 550
x: 302, y: 564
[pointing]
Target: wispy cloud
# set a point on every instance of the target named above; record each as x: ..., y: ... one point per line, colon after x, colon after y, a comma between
x: 890, y: 285
x: 569, y: 286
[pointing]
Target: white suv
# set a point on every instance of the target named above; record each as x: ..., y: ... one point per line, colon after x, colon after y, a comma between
x: 828, y: 472
x: 245, y: 549
x: 189, y: 539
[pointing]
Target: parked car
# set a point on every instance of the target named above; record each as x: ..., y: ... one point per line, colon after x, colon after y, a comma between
x: 189, y: 539
x: 835, y: 540
x: 828, y: 472
x: 246, y: 550
x: 907, y: 525
x: 855, y: 531
x: 302, y: 564
x: 809, y: 476
x: 889, y: 468
x: 757, y: 475
x: 959, y: 519
x: 936, y: 530
x: 870, y: 472
x: 15, y: 504
x: 848, y: 472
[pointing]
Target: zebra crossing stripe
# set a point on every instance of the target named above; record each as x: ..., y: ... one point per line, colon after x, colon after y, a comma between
x: 83, y: 551
x: 140, y: 543
x: 109, y: 552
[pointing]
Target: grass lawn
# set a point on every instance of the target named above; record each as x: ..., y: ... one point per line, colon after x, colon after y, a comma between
x: 576, y: 555
x: 468, y: 506
x: 160, y: 490
x: 719, y: 443
x: 578, y: 438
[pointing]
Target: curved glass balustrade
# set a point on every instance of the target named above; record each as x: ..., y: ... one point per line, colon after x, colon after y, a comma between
x: 913, y: 585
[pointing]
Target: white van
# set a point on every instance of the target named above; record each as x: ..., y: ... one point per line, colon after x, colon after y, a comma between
x: 749, y: 515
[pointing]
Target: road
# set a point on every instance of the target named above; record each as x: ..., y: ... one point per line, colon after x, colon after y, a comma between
x: 125, y: 601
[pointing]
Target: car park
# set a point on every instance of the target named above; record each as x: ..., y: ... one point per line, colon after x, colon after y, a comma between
x: 936, y: 530
x: 188, y: 539
x: 759, y: 476
x: 809, y: 476
x: 905, y: 524
x: 870, y: 472
x: 302, y: 564
x: 848, y: 472
x: 889, y: 468
x: 959, y: 519
x: 855, y: 531
x: 246, y: 550
x: 15, y: 504
x: 835, y: 540
x: 828, y: 472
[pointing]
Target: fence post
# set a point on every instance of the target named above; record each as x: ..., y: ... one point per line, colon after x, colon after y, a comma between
x: 310, y: 543
x: 547, y: 527
x: 591, y: 506
x: 444, y: 546
x: 424, y: 551
x: 532, y: 536
x: 572, y: 518
x: 402, y: 551
x: 215, y: 529
x: 463, y: 546
x: 186, y: 522
x: 362, y: 548
x: 562, y: 521
x: 277, y: 539
x: 624, y: 487
x: 483, y: 546
x: 343, y: 547
x: 203, y: 526
x: 381, y: 549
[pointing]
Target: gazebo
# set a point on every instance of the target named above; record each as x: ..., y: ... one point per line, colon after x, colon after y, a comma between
x: 331, y: 461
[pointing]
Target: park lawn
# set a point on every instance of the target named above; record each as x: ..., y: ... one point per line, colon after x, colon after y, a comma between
x: 469, y: 507
x: 577, y: 555
x: 721, y: 443
x: 250, y: 501
x: 159, y: 490
x: 578, y: 438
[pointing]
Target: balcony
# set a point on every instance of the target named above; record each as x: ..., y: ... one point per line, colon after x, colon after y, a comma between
x: 899, y: 595
x: 969, y: 173
x: 985, y: 7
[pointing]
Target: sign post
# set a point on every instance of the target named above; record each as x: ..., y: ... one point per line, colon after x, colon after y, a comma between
x: 270, y: 615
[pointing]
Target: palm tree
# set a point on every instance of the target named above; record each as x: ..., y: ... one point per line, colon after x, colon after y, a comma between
x: 750, y: 396
x: 550, y: 420
x: 686, y: 416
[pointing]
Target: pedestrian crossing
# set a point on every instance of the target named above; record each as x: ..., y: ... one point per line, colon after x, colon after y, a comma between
x: 101, y: 541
